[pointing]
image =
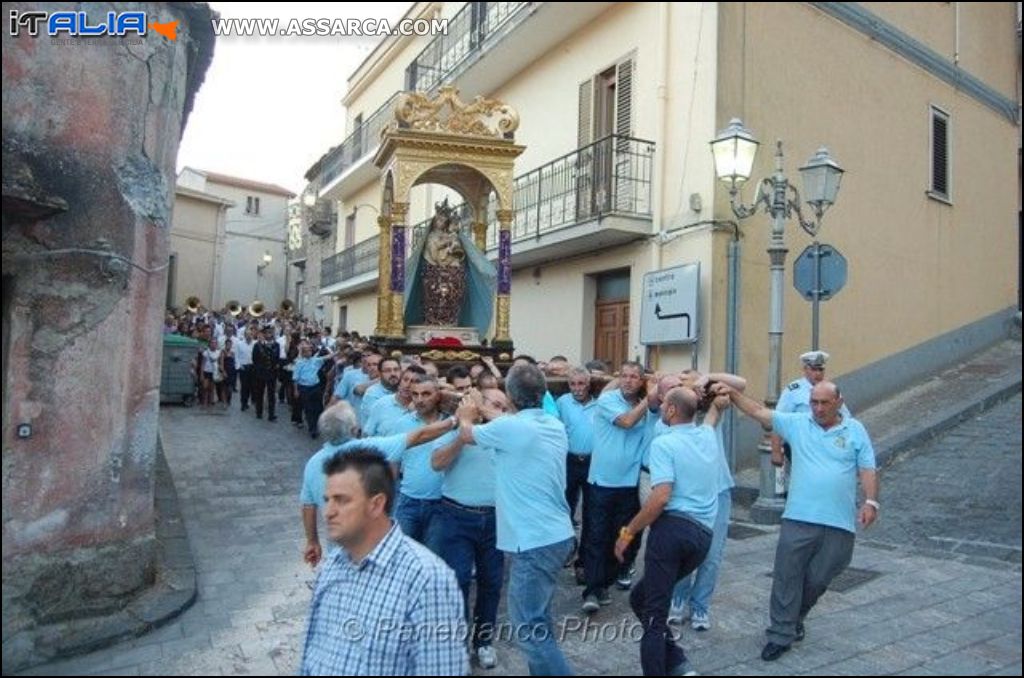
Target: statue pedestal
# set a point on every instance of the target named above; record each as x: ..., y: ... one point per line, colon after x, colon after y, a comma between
x: 421, y: 335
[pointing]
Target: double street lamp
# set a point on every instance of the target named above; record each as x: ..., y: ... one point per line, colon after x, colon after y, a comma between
x: 734, y: 149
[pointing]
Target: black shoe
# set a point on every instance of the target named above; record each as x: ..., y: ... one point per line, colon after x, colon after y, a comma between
x: 271, y: 418
x: 259, y: 416
x: 799, y: 632
x: 771, y: 651
x: 245, y: 407
x: 603, y: 597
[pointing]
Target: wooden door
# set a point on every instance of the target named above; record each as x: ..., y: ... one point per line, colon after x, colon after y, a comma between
x: 611, y: 340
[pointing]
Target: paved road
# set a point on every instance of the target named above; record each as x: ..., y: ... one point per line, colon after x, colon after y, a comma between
x: 935, y: 605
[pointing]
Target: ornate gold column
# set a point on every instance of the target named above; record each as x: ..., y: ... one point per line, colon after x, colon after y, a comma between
x: 399, y: 219
x: 384, y: 277
x: 504, y: 300
x: 480, y: 235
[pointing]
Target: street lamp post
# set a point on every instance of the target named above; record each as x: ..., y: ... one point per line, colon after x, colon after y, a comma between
x: 734, y: 149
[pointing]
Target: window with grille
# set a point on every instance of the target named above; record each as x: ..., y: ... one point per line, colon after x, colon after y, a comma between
x: 940, y: 155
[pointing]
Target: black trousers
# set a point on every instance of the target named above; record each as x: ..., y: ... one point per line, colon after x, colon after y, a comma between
x: 312, y: 401
x: 577, y: 468
x: 676, y: 546
x: 610, y: 509
x: 245, y: 378
x: 264, y: 387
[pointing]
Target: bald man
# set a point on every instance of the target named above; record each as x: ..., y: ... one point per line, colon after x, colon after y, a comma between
x: 830, y: 451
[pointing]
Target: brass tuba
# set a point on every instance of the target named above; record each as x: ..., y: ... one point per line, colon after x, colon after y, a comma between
x: 287, y: 306
x: 234, y: 308
x: 192, y: 304
x: 257, y: 309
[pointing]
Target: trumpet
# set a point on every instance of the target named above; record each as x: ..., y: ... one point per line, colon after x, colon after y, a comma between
x: 234, y: 308
x: 192, y: 304
x: 257, y: 309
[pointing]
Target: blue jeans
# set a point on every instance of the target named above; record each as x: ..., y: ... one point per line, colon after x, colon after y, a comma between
x: 416, y: 518
x: 468, y: 537
x: 697, y: 588
x: 531, y: 586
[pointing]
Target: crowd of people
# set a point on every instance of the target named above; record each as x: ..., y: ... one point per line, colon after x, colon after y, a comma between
x: 428, y: 482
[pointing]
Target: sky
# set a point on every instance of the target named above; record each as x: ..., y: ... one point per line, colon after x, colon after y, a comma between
x: 270, y: 107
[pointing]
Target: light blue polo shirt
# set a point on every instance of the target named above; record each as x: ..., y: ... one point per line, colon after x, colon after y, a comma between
x: 549, y: 404
x: 419, y: 479
x: 796, y: 397
x: 579, y: 422
x: 345, y: 388
x: 530, y: 448
x: 384, y: 416
x: 725, y: 479
x: 314, y: 482
x: 306, y: 370
x: 687, y: 456
x: 617, y: 451
x: 372, y: 395
x: 471, y: 478
x: 823, y: 483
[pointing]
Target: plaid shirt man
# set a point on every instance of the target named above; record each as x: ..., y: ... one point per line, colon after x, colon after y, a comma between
x: 398, y: 612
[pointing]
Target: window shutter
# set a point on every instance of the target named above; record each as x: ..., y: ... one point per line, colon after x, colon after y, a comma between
x: 624, y: 98
x: 940, y: 153
x: 585, y: 114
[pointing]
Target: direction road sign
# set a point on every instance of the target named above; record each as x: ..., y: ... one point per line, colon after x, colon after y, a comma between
x: 833, y: 273
x: 668, y: 308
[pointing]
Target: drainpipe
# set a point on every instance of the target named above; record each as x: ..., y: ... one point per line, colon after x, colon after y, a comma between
x: 661, y: 150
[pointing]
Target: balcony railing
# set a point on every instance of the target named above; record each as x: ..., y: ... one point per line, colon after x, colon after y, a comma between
x: 362, y: 139
x: 610, y: 176
x: 468, y: 31
x: 351, y: 262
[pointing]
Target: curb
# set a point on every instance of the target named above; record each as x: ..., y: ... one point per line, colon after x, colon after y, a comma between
x: 931, y: 426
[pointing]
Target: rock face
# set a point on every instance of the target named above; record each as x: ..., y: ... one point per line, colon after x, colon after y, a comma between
x: 91, y: 127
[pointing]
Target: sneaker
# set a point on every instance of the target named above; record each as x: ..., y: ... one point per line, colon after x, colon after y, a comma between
x: 625, y: 580
x: 799, y: 632
x: 679, y: 615
x: 684, y: 669
x: 590, y: 604
x: 486, y: 657
x: 604, y: 598
x: 701, y: 621
x: 771, y: 651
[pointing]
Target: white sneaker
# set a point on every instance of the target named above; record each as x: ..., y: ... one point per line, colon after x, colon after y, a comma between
x: 701, y: 621
x: 678, y: 615
x: 486, y: 657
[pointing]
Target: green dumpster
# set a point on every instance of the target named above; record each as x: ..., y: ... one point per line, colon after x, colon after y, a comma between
x: 178, y: 374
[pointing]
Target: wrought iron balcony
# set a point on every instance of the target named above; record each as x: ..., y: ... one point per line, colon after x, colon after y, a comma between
x: 350, y: 263
x: 468, y: 34
x: 363, y: 139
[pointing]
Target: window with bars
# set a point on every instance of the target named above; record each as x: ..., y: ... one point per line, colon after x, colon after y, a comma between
x: 940, y: 186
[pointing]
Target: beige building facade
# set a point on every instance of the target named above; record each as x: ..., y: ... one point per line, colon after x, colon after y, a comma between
x: 197, y: 238
x: 618, y: 102
x: 250, y: 253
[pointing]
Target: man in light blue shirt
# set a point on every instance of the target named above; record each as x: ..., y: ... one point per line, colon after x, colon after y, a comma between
x: 387, y: 412
x: 390, y: 375
x: 830, y: 452
x: 383, y: 605
x: 576, y: 410
x: 338, y: 424
x: 306, y: 378
x: 468, y: 527
x: 681, y: 511
x: 419, y: 494
x: 621, y: 431
x: 533, y: 524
